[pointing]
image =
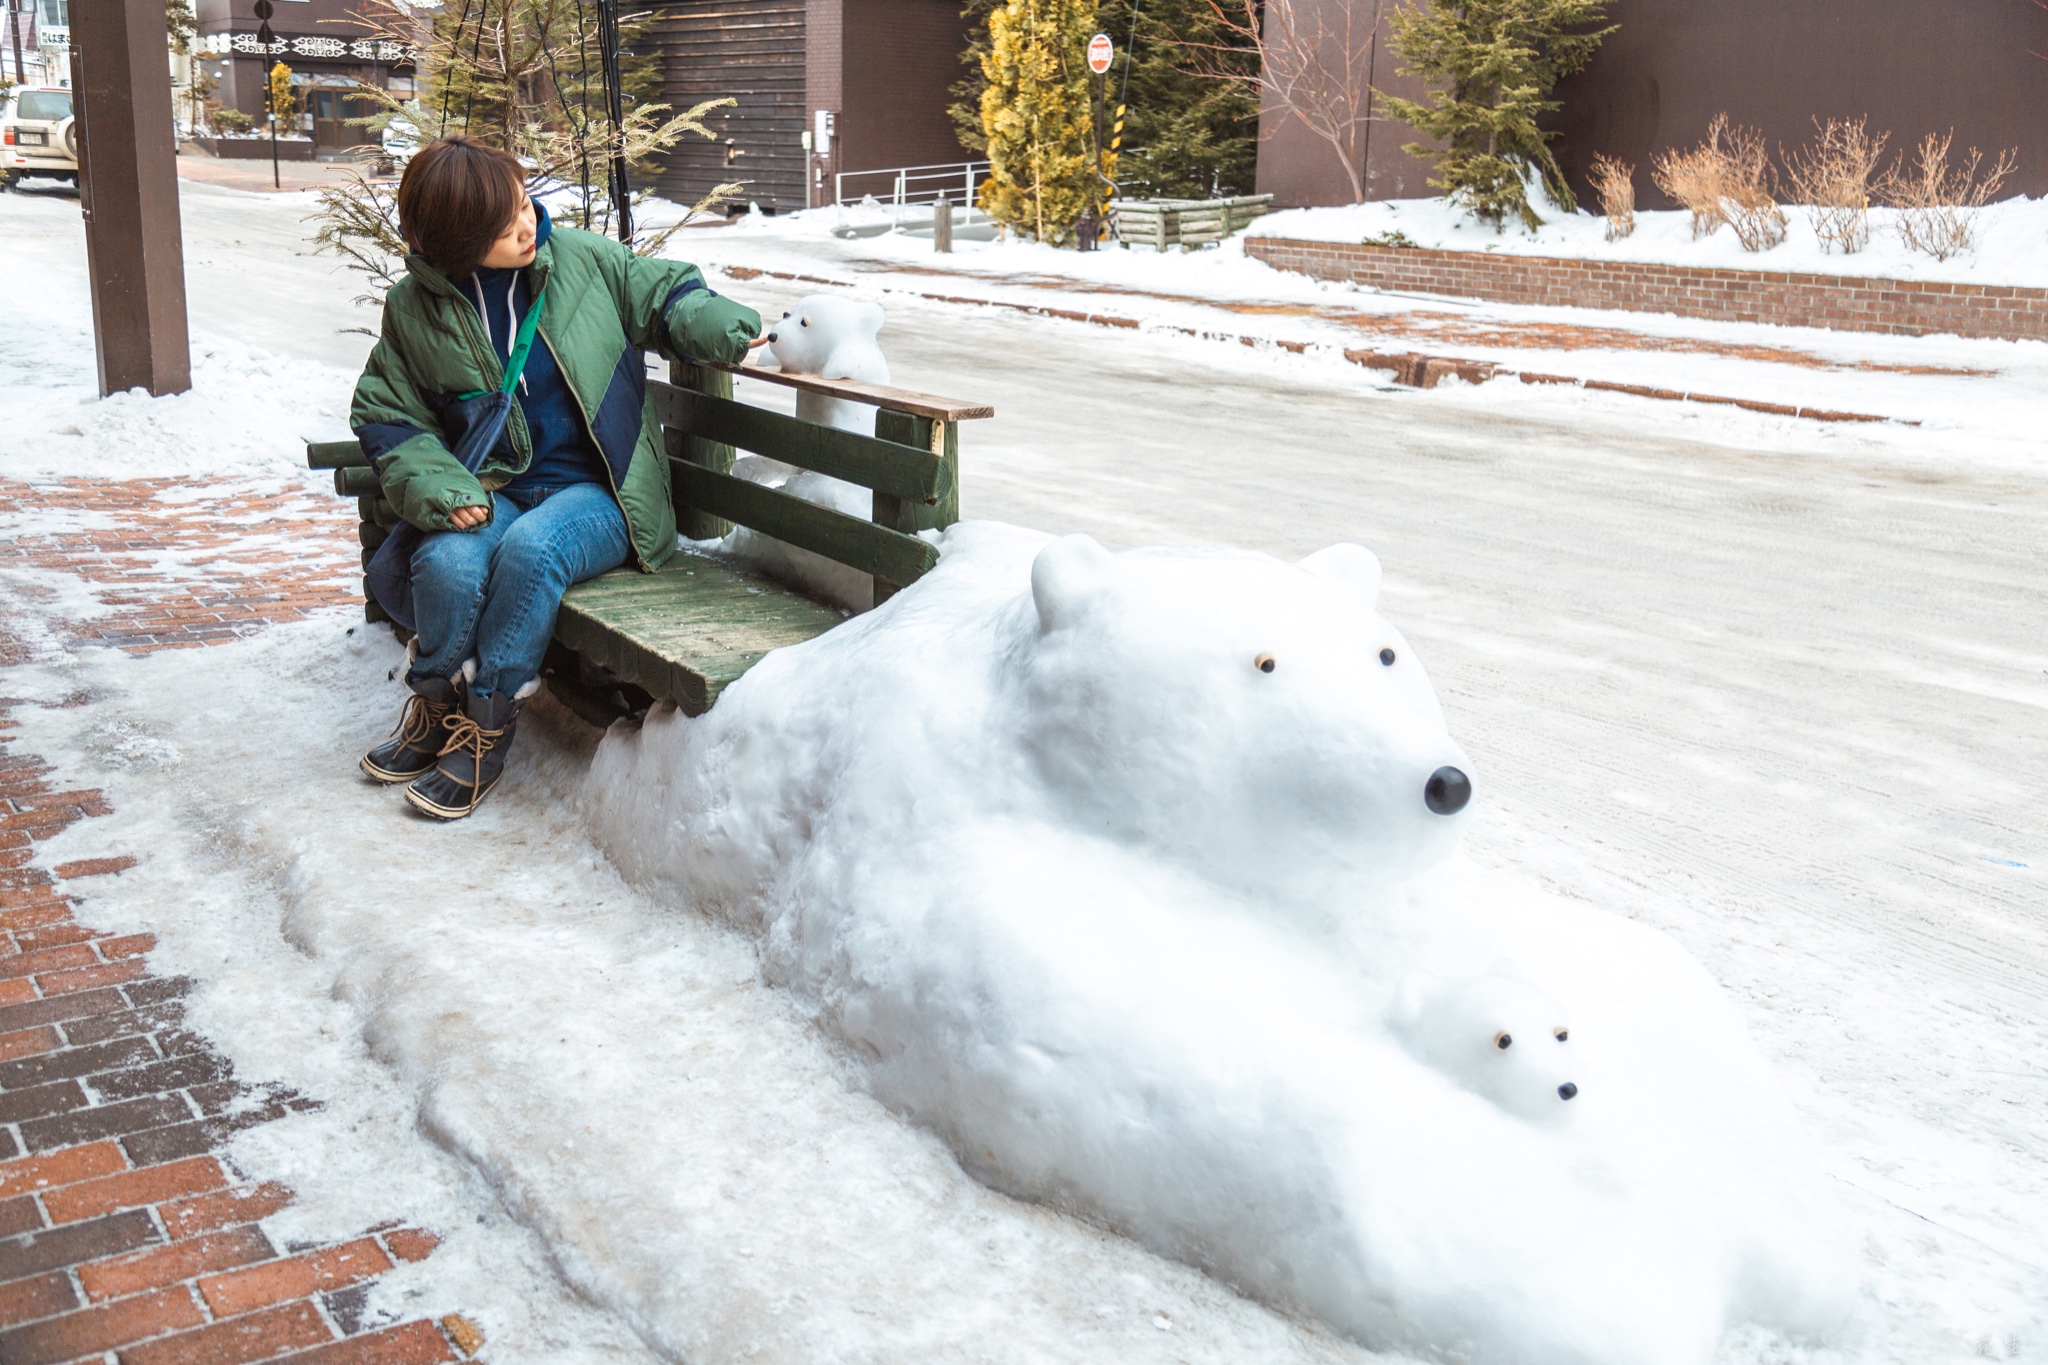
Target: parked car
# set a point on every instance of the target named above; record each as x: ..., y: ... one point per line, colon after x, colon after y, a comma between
x: 38, y: 136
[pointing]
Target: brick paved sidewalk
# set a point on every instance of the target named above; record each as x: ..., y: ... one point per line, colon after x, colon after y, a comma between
x: 124, y: 1234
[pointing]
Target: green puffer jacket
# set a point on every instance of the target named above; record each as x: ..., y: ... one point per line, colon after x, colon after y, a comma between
x: 603, y: 308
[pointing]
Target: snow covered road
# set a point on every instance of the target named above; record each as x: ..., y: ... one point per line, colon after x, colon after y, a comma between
x: 1774, y: 687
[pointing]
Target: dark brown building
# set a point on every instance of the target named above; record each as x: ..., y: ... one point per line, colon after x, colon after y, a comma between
x: 824, y: 87
x: 329, y: 51
x: 1911, y: 66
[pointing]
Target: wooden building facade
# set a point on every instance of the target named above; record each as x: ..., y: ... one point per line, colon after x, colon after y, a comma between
x: 823, y: 86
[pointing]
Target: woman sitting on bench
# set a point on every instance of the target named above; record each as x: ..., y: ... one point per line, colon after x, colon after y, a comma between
x: 505, y: 411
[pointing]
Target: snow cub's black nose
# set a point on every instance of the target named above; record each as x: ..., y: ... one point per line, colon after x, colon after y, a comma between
x: 1567, y: 1090
x: 1447, y: 791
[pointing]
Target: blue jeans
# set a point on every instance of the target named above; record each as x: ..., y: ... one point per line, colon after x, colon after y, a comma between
x: 492, y: 593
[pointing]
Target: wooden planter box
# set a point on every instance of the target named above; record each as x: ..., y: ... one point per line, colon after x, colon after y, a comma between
x: 1160, y: 223
x: 255, y: 148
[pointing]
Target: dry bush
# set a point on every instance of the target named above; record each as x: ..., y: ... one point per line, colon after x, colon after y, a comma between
x: 1615, y: 183
x: 1832, y: 178
x: 1937, y: 203
x: 1689, y: 177
x: 1726, y: 179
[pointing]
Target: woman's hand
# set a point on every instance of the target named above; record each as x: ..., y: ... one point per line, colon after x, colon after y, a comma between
x: 469, y: 518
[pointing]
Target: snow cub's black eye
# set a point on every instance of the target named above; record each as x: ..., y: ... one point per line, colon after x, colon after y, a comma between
x: 1503, y: 1041
x: 1387, y: 657
x: 1563, y: 1034
x: 803, y: 322
x: 1265, y: 663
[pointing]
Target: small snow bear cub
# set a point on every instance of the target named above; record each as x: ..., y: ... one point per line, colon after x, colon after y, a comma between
x: 1255, y: 722
x: 832, y: 338
x: 1498, y: 1034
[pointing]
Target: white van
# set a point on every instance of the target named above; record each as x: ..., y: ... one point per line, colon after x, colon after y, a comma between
x: 38, y: 136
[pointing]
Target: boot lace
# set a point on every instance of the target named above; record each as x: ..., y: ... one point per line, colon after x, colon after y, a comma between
x: 467, y: 737
x: 416, y: 722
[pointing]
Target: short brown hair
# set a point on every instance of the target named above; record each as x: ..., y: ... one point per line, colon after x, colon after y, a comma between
x: 456, y: 196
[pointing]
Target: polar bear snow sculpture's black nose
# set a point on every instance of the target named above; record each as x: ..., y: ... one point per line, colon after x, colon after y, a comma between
x: 1447, y: 791
x: 1567, y: 1090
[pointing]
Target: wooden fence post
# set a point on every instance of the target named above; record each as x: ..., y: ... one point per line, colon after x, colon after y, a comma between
x: 693, y: 524
x: 128, y: 192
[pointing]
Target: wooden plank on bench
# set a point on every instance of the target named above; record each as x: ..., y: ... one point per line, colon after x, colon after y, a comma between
x: 335, y: 454
x: 900, y: 471
x: 881, y: 395
x: 686, y: 633
x: 858, y: 544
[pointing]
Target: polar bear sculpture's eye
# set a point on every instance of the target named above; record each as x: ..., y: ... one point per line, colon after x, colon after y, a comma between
x: 1563, y: 1034
x: 1265, y: 663
x: 1503, y: 1040
x: 1387, y: 657
x: 803, y: 322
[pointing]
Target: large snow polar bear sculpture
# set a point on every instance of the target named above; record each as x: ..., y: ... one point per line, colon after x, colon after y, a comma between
x: 1134, y: 877
x: 832, y: 337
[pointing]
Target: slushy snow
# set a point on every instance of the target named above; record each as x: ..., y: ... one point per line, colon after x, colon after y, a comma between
x: 1117, y: 871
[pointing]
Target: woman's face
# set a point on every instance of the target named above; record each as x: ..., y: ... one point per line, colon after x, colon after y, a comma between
x: 516, y: 244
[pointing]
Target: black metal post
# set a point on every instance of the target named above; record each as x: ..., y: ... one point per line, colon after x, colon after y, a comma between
x: 615, y: 108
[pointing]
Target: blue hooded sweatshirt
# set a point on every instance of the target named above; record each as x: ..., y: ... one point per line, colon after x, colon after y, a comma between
x: 563, y: 452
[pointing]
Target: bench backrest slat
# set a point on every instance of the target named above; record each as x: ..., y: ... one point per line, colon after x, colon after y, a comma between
x: 884, y: 466
x: 860, y: 545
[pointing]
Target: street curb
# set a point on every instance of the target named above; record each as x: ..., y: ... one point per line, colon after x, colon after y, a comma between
x: 1410, y: 369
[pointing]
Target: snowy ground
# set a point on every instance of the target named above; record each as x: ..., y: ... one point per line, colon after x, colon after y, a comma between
x: 1767, y: 685
x: 1978, y: 398
x: 2008, y: 246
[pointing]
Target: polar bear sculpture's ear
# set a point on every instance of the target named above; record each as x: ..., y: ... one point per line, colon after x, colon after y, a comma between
x: 1351, y: 569
x: 1066, y: 574
x: 871, y: 317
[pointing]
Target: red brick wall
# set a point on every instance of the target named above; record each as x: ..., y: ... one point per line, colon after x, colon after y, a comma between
x: 1848, y: 302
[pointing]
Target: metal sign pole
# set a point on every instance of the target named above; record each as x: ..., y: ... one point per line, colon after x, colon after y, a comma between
x: 128, y: 193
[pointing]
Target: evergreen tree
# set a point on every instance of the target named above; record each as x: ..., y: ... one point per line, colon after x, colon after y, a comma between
x: 1186, y: 134
x: 1037, y: 117
x: 283, y: 101
x: 1492, y: 65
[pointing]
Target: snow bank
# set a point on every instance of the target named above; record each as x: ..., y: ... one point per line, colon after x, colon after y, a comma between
x: 2011, y: 237
x: 1121, y: 874
x: 248, y: 413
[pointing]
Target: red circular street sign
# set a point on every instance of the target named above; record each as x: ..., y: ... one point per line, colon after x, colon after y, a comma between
x: 1100, y: 51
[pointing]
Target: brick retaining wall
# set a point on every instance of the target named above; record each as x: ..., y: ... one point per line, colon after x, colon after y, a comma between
x: 1847, y: 302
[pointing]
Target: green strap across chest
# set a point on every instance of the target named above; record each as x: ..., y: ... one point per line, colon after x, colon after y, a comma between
x: 515, y: 364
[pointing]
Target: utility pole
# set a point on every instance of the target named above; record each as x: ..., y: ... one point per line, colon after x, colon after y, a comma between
x: 128, y: 191
x: 14, y: 24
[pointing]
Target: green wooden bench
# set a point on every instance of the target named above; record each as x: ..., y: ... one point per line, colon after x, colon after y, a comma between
x: 626, y: 640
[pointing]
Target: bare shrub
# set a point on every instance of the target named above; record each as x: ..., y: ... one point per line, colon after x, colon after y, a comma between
x: 1832, y: 179
x: 1938, y: 203
x: 1615, y: 183
x: 1726, y: 179
x: 1691, y: 179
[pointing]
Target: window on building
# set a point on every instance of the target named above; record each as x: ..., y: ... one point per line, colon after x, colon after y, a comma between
x: 53, y: 13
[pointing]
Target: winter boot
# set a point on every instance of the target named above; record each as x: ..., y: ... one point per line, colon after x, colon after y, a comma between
x: 471, y: 759
x: 417, y: 741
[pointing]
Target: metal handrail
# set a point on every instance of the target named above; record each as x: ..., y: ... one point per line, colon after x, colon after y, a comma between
x: 909, y: 185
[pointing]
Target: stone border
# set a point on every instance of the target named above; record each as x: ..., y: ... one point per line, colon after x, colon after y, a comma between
x: 1847, y: 303
x: 1412, y: 369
